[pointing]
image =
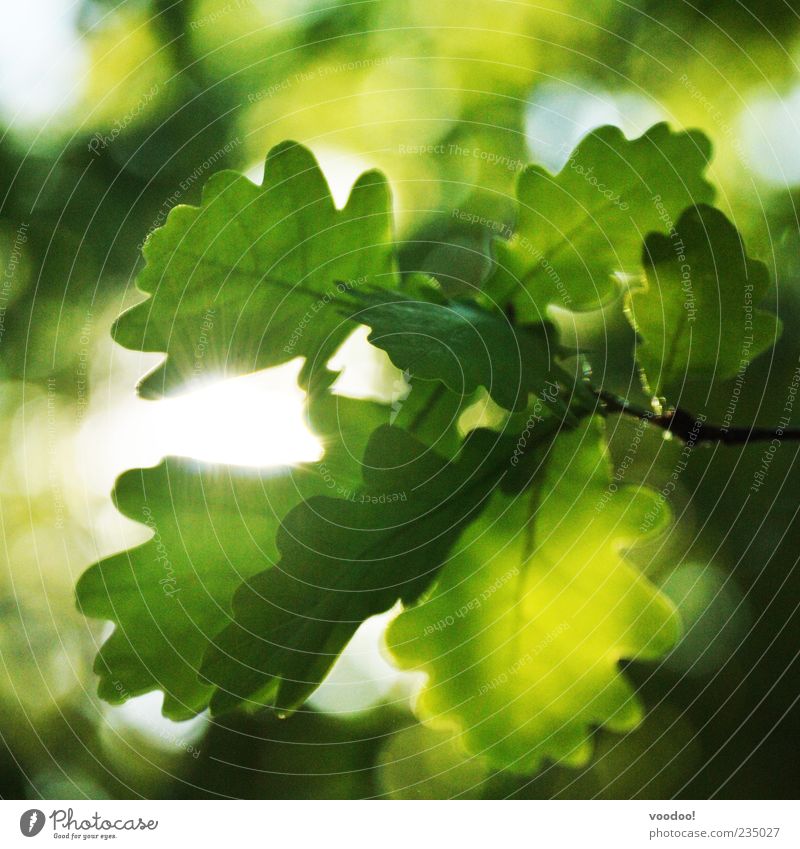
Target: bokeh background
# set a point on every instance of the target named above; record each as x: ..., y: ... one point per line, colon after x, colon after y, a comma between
x: 111, y: 113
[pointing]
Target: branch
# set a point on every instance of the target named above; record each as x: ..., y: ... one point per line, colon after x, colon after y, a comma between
x: 690, y: 428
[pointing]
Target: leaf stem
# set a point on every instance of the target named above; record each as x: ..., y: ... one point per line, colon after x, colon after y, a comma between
x: 426, y: 409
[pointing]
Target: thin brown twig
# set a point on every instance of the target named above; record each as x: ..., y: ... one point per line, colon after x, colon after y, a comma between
x: 692, y: 428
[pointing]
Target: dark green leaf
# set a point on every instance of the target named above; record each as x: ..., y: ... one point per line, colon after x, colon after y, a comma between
x: 346, y: 559
x: 460, y: 343
x: 699, y: 311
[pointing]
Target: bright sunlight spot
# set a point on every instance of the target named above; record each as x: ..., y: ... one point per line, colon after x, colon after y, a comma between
x: 256, y: 420
x: 248, y: 421
x: 771, y: 133
x: 561, y: 113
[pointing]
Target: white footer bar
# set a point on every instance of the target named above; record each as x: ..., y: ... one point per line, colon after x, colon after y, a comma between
x: 402, y: 825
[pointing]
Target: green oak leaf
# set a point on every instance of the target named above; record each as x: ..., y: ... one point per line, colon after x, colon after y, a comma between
x: 460, y: 343
x: 250, y: 278
x: 579, y: 228
x: 213, y: 527
x: 344, y: 560
x: 699, y: 310
x: 523, y: 633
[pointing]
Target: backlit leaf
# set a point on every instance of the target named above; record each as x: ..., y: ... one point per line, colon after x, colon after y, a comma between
x: 577, y: 229
x: 524, y: 631
x: 250, y: 279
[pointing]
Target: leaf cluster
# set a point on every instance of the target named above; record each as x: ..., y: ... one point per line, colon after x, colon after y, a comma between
x: 502, y: 545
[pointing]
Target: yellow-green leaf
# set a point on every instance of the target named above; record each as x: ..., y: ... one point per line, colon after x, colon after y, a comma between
x: 523, y: 634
